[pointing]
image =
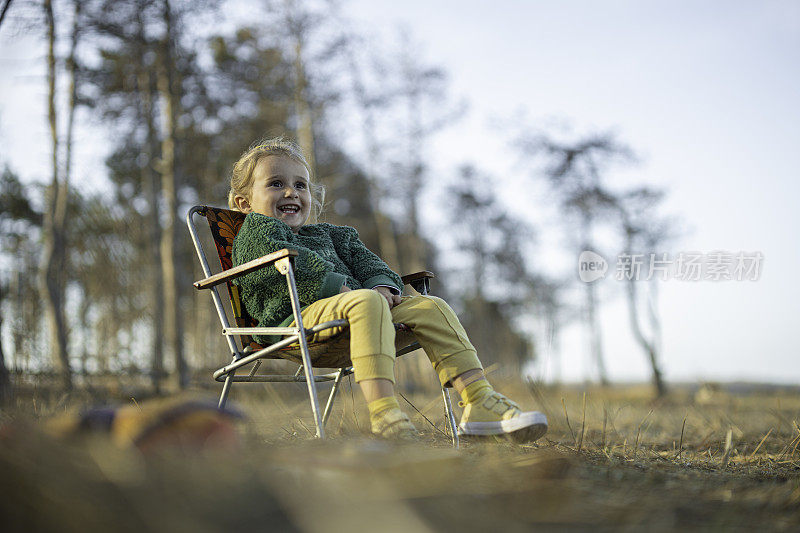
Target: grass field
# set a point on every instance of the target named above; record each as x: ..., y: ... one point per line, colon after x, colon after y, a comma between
x: 717, y: 459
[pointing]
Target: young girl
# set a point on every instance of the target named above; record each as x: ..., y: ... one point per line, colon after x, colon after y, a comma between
x: 338, y: 277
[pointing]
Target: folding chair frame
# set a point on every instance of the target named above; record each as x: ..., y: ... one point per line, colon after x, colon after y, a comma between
x: 283, y: 260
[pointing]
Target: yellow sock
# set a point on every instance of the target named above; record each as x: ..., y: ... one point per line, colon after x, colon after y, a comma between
x: 476, y: 390
x: 379, y: 406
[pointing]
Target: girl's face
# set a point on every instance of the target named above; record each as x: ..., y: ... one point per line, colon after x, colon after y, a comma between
x: 280, y: 190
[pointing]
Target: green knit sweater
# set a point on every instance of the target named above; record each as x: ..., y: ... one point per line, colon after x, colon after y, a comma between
x: 329, y: 257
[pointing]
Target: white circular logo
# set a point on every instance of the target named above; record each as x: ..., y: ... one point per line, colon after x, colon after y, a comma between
x: 591, y: 266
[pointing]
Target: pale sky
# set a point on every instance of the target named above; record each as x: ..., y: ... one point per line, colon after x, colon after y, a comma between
x: 706, y: 93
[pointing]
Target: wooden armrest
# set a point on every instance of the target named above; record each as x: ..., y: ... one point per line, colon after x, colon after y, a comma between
x: 241, y: 270
x: 420, y: 281
x: 408, y: 278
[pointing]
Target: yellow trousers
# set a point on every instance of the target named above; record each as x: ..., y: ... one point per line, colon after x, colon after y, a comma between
x: 372, y: 335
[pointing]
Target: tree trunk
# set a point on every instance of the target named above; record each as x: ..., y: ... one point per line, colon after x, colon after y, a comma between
x: 652, y: 313
x: 5, y: 381
x: 172, y: 320
x: 302, y: 107
x: 387, y: 240
x: 552, y: 331
x: 595, y: 334
x: 3, y: 12
x: 17, y: 335
x: 72, y: 67
x: 417, y: 258
x: 150, y: 179
x: 592, y: 321
x: 157, y: 291
x: 53, y: 225
x: 83, y: 315
x: 649, y: 347
x: 63, y: 199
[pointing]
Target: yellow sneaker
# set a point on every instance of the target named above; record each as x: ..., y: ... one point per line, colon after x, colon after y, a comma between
x: 494, y: 414
x: 394, y: 424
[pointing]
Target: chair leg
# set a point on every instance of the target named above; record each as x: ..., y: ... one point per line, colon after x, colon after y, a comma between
x: 285, y: 267
x: 226, y: 388
x: 332, y: 397
x: 450, y: 417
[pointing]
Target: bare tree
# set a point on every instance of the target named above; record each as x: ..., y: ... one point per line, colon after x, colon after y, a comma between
x: 368, y: 104
x: 304, y: 35
x: 53, y: 230
x: 4, y: 11
x: 5, y: 381
x: 423, y: 93
x: 72, y: 71
x: 574, y: 171
x: 152, y: 187
x: 140, y: 94
x: 500, y: 289
x: 169, y: 101
x: 643, y: 231
x: 17, y: 220
x: 299, y: 24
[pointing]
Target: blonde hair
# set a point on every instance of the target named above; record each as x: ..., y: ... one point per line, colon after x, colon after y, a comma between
x: 242, y: 174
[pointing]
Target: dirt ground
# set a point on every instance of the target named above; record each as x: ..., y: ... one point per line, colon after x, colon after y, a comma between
x: 710, y: 459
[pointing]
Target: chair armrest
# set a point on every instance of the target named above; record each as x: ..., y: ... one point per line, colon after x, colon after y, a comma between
x: 409, y: 278
x: 241, y: 270
x: 421, y: 281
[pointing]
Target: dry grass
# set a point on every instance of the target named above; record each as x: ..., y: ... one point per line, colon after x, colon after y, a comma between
x: 612, y: 460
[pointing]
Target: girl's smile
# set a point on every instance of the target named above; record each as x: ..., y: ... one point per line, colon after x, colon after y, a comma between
x: 280, y: 190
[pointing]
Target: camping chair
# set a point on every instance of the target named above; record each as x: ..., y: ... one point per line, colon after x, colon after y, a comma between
x: 295, y: 346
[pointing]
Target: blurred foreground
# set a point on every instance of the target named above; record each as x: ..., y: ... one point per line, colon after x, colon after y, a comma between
x: 706, y: 459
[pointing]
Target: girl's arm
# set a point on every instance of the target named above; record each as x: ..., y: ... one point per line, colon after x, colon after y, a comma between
x: 366, y: 267
x: 261, y: 235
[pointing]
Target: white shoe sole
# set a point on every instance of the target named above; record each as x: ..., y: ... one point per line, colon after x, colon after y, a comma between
x: 527, y: 426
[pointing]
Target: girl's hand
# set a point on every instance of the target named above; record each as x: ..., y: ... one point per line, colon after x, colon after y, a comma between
x: 345, y: 288
x: 392, y: 299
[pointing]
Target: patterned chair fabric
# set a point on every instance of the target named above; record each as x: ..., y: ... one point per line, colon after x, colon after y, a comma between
x: 225, y: 225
